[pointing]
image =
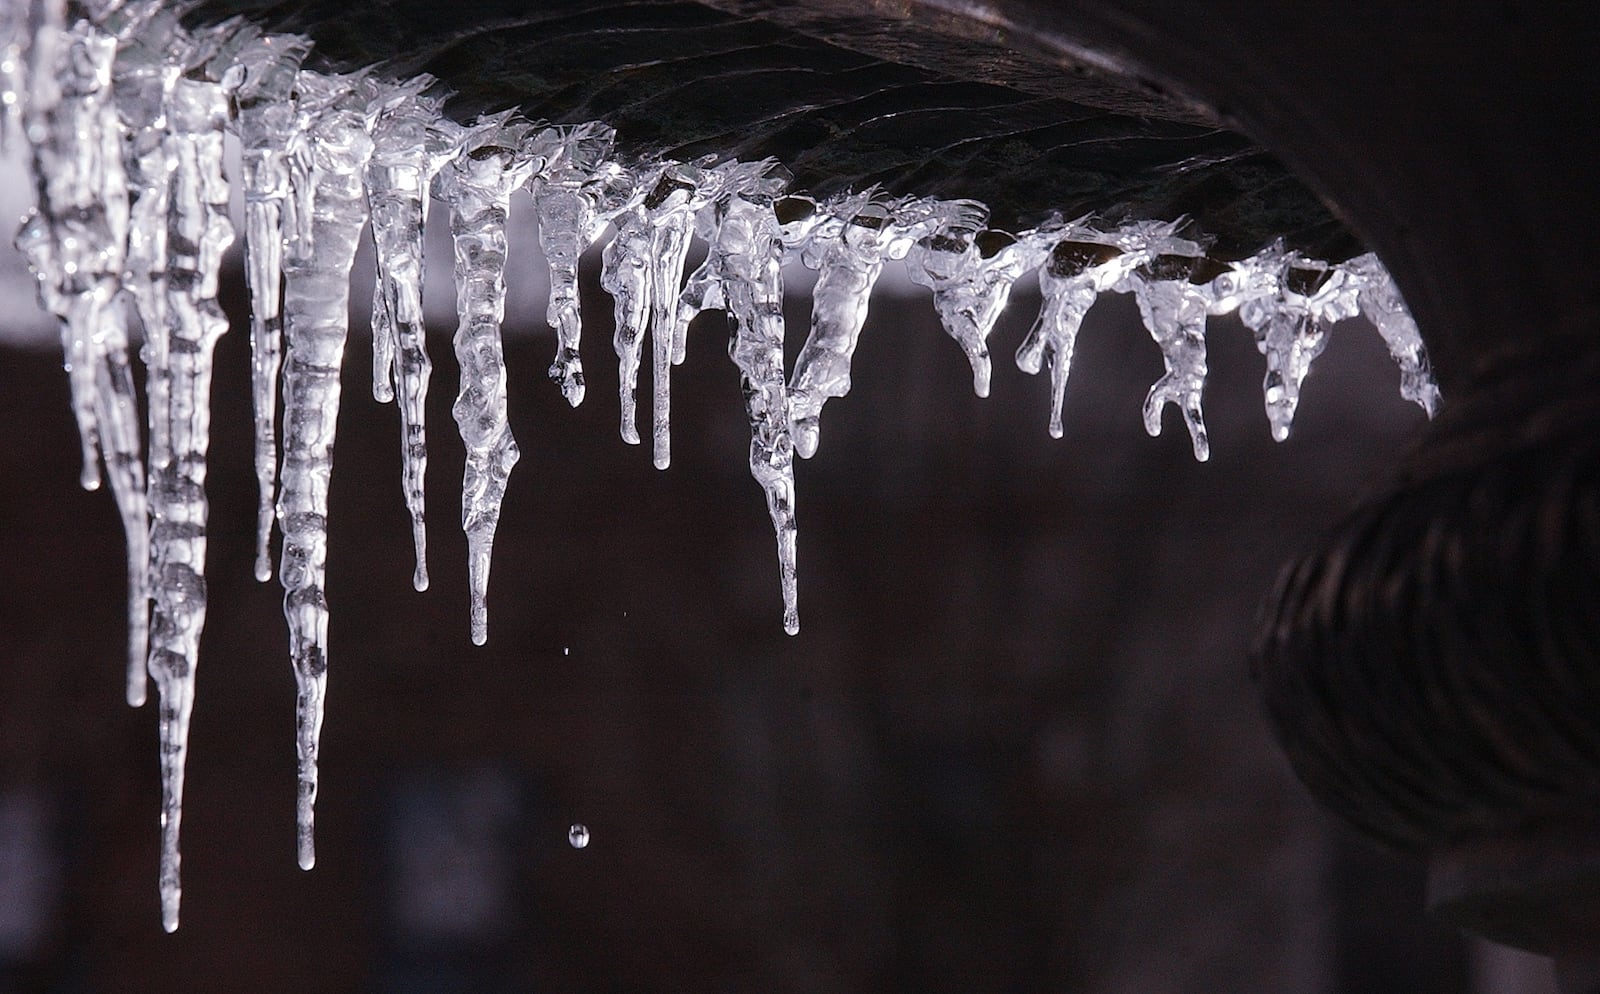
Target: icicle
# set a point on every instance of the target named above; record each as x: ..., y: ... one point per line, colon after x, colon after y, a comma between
x: 567, y: 191
x: 1170, y: 287
x: 76, y: 245
x: 1381, y: 303
x: 263, y: 79
x: 625, y: 274
x: 14, y: 35
x: 143, y: 75
x: 411, y: 143
x: 478, y: 184
x: 327, y: 163
x: 1074, y: 275
x: 847, y: 249
x: 745, y: 265
x: 670, y: 210
x: 971, y: 272
x: 1289, y: 303
x: 199, y: 233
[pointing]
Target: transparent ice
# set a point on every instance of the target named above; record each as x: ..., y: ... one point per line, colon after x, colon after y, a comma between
x: 327, y: 210
x: 478, y: 184
x: 125, y: 111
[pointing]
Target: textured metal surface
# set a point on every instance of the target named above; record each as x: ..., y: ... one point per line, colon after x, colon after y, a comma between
x: 946, y: 117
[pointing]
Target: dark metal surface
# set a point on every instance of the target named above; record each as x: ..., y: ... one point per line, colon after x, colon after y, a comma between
x: 912, y: 110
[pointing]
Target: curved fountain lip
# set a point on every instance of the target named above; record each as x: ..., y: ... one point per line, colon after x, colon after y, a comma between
x: 845, y: 98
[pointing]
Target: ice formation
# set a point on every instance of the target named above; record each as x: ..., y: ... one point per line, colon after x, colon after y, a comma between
x: 126, y: 111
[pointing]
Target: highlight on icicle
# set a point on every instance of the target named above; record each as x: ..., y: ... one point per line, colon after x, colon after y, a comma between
x: 126, y: 110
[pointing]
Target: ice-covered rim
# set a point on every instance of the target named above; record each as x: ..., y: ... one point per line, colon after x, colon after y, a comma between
x: 125, y: 111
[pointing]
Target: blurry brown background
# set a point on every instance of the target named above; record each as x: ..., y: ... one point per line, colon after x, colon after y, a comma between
x: 1015, y: 747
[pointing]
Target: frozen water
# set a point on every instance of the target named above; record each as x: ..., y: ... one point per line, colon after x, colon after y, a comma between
x: 124, y: 112
x: 411, y: 143
x: 477, y: 184
x: 328, y: 208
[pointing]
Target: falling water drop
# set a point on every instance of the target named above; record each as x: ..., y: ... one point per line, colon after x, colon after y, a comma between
x: 578, y: 836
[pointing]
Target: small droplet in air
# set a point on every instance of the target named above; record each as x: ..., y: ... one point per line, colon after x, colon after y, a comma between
x: 566, y: 650
x: 578, y: 835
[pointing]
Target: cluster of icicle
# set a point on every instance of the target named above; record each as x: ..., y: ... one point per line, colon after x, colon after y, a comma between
x: 125, y: 112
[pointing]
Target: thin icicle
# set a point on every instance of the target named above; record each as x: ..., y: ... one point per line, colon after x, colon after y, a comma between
x: 199, y: 233
x: 143, y: 75
x: 478, y: 184
x: 327, y: 164
x: 745, y: 264
x: 76, y: 244
x: 1381, y: 303
x: 1072, y: 278
x: 1170, y: 287
x: 567, y: 193
x: 670, y: 209
x: 263, y: 78
x: 625, y: 275
x: 411, y: 143
x: 847, y: 248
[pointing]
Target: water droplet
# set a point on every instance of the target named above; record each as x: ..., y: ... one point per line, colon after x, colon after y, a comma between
x: 566, y: 650
x: 578, y: 835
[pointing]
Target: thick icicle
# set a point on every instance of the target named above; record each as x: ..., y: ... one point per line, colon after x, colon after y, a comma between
x: 411, y: 143
x: 264, y: 78
x: 478, y: 184
x: 971, y: 272
x: 567, y: 193
x: 1170, y: 287
x: 143, y: 75
x: 1381, y: 303
x: 1077, y: 270
x: 625, y: 274
x: 76, y: 242
x: 670, y: 209
x: 847, y: 249
x: 198, y: 233
x: 327, y: 164
x: 1290, y: 321
x: 745, y: 263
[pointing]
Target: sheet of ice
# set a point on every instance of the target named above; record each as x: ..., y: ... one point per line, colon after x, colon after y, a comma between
x: 263, y: 79
x: 1380, y: 302
x: 198, y: 233
x: 568, y: 191
x: 327, y: 166
x: 477, y: 184
x: 1078, y: 268
x: 411, y: 143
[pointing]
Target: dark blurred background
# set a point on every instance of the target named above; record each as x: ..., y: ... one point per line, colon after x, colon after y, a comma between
x: 1015, y: 747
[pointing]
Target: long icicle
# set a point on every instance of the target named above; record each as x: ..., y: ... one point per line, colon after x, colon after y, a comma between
x: 411, y: 143
x: 746, y: 258
x: 199, y: 233
x: 76, y: 245
x: 267, y: 70
x: 478, y: 185
x: 330, y: 209
x: 670, y: 209
x: 566, y: 195
x: 625, y: 273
